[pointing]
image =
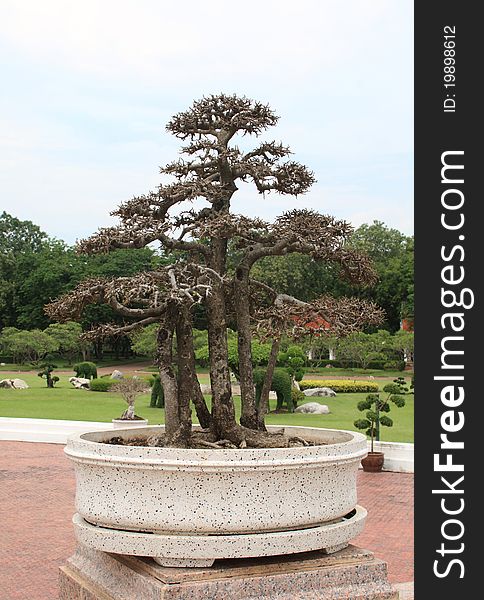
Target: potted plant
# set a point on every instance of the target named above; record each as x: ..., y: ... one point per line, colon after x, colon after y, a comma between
x: 130, y: 388
x: 187, y: 494
x: 374, y: 406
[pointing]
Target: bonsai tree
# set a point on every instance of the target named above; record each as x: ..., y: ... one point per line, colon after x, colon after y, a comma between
x: 375, y: 405
x: 46, y: 372
x: 198, y: 237
x: 130, y: 388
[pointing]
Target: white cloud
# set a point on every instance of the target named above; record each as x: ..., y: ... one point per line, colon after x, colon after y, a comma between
x: 92, y: 84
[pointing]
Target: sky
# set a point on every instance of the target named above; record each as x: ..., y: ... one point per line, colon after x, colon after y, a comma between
x: 88, y: 87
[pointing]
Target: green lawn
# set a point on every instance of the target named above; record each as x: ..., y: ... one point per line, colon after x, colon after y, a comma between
x: 64, y: 402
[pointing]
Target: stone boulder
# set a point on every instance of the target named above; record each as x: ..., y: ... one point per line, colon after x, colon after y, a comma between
x: 80, y: 383
x: 20, y: 384
x: 116, y: 375
x: 313, y: 408
x: 14, y: 384
x: 321, y: 392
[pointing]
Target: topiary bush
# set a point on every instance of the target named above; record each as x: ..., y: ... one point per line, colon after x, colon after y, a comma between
x: 342, y: 386
x: 157, y: 393
x: 293, y: 359
x: 376, y: 364
x: 281, y: 384
x: 394, y: 365
x: 297, y: 396
x: 101, y: 385
x: 46, y: 372
x: 86, y: 369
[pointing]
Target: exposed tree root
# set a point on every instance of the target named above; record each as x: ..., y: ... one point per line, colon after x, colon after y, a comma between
x: 237, y: 438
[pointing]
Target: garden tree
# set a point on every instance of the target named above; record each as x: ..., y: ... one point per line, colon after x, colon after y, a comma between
x: 393, y: 256
x: 259, y: 354
x: 321, y: 347
x: 35, y: 269
x: 378, y: 241
x: 18, y: 240
x: 144, y: 342
x: 362, y: 348
x: 18, y: 236
x: 68, y: 336
x: 41, y: 276
x: 298, y: 275
x: 403, y: 341
x: 27, y: 346
x: 210, y: 169
x: 46, y: 372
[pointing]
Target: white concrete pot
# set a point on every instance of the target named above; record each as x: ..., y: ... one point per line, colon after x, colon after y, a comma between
x: 189, y: 507
x: 129, y: 423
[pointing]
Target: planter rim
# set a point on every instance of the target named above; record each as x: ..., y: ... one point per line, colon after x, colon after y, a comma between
x: 352, y: 446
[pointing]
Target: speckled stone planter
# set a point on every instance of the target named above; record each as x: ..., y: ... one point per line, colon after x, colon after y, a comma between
x: 189, y: 507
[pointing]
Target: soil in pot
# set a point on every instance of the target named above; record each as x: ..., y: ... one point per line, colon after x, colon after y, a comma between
x: 373, y: 463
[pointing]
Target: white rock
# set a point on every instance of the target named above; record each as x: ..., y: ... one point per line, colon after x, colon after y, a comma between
x: 6, y: 383
x: 20, y: 384
x: 314, y: 408
x: 80, y: 382
x: 206, y: 388
x: 14, y: 384
x: 116, y: 375
x: 323, y: 391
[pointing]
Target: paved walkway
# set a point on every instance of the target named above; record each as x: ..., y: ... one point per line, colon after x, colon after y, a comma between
x: 37, y: 502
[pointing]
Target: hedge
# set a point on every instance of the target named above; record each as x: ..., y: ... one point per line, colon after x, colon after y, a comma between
x: 342, y: 386
x: 101, y: 385
x: 377, y: 365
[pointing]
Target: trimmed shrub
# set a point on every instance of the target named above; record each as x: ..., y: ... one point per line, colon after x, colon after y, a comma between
x: 377, y: 364
x: 86, y: 369
x: 101, y: 385
x: 281, y: 384
x: 342, y: 386
x: 297, y: 396
x: 157, y: 393
x: 394, y: 365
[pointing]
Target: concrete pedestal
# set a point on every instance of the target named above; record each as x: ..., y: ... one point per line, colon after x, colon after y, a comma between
x: 351, y: 574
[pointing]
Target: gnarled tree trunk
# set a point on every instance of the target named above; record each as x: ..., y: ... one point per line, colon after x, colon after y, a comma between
x: 164, y: 360
x: 266, y: 387
x: 248, y: 417
x: 184, y: 336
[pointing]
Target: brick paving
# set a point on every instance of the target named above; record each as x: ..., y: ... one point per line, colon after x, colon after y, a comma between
x: 37, y: 502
